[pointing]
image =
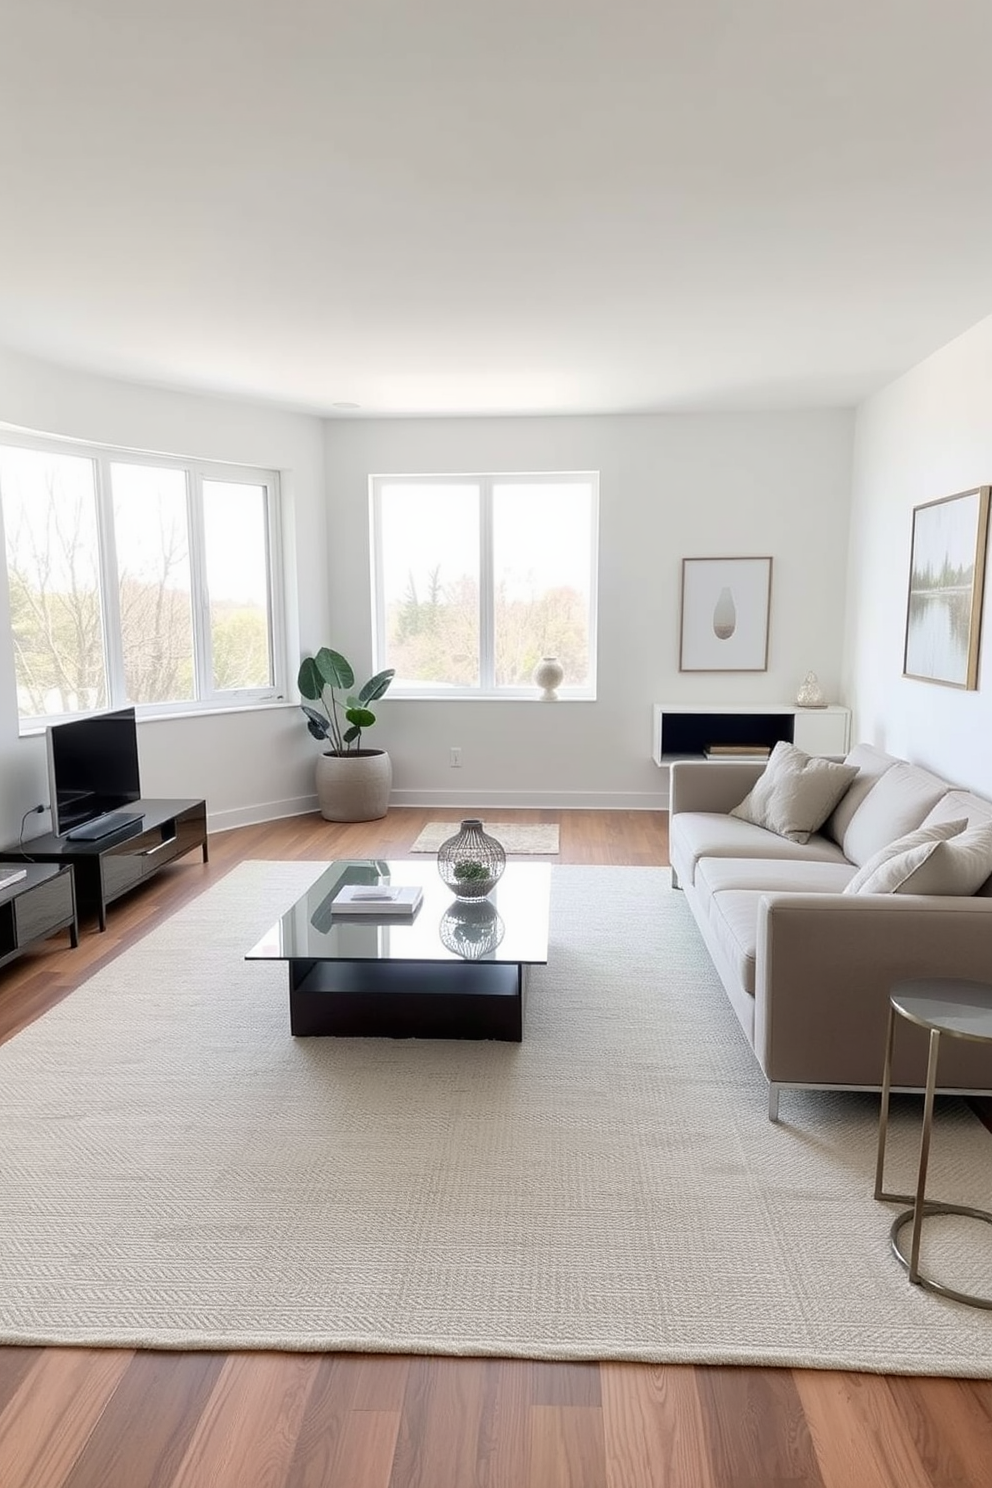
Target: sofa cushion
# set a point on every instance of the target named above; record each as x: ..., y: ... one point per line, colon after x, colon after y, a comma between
x: 976, y: 810
x: 775, y: 875
x: 959, y: 865
x: 714, y: 834
x: 795, y: 793
x: 886, y: 870
x: 871, y: 763
x: 895, y: 805
x: 733, y: 918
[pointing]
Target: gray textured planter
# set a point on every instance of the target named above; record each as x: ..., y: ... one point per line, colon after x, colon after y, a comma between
x: 354, y: 787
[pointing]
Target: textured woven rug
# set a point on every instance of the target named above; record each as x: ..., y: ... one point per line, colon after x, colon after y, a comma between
x: 179, y: 1172
x: 516, y: 837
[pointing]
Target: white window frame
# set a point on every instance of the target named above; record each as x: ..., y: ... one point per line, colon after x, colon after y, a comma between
x: 486, y: 689
x: 207, y: 699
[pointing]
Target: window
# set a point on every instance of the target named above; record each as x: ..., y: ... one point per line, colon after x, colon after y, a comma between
x: 137, y: 580
x: 475, y: 578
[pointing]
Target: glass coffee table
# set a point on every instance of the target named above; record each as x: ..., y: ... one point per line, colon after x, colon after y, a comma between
x: 457, y: 969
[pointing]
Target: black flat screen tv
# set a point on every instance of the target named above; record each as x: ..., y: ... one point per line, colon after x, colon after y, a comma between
x: 92, y: 768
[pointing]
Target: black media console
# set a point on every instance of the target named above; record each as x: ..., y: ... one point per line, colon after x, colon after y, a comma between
x: 112, y: 865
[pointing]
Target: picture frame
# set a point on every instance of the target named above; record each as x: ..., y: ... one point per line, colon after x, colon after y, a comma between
x: 726, y: 603
x: 946, y: 585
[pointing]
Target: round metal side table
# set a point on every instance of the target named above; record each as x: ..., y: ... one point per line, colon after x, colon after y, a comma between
x: 957, y: 1009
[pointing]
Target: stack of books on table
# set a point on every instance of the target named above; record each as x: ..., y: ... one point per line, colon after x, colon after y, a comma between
x: 377, y: 899
x: 737, y: 751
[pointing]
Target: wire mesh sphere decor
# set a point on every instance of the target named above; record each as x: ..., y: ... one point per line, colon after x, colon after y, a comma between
x: 471, y: 862
x: 471, y: 928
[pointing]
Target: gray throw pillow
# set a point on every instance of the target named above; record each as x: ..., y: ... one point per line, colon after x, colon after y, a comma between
x: 887, y: 871
x: 795, y: 794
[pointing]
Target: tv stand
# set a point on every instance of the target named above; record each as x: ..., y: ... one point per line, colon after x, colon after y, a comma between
x: 110, y: 866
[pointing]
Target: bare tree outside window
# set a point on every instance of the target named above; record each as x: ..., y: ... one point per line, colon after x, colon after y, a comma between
x: 521, y: 549
x: 137, y: 580
x: 238, y: 584
x: 49, y: 512
x: 151, y: 538
x: 430, y: 578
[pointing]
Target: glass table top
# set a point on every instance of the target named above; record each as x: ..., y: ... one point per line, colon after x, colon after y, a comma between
x: 509, y: 925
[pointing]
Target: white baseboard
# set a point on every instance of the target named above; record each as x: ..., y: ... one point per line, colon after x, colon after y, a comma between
x: 254, y: 816
x: 460, y: 799
x: 535, y: 800
x: 489, y: 800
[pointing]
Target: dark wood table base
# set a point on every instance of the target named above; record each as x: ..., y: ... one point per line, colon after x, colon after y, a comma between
x: 407, y: 999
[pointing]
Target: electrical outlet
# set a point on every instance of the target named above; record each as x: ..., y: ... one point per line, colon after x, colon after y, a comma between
x: 455, y: 759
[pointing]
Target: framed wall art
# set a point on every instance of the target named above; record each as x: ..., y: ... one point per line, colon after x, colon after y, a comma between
x: 725, y: 609
x: 946, y: 579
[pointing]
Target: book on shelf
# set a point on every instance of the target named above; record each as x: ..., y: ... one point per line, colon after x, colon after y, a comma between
x: 378, y: 899
x: 737, y: 751
x: 11, y: 875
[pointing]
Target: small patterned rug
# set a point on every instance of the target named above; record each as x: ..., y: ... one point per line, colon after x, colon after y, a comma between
x: 516, y: 837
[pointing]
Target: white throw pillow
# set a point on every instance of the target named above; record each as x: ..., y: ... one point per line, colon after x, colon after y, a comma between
x: 795, y: 794
x: 958, y: 866
x: 888, y: 870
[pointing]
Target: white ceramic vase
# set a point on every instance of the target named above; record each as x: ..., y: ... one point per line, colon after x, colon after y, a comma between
x: 548, y: 675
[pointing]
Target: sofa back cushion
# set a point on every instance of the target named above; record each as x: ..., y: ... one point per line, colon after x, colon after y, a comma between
x: 871, y: 763
x: 896, y: 804
x: 795, y: 793
x: 977, y: 812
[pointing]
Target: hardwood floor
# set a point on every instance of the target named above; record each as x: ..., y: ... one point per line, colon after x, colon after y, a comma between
x: 82, y: 1418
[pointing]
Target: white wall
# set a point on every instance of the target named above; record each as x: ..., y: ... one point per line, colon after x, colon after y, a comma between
x: 925, y: 436
x: 249, y: 766
x: 672, y: 486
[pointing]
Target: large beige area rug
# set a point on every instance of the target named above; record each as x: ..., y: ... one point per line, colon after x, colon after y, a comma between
x: 516, y: 837
x: 177, y: 1172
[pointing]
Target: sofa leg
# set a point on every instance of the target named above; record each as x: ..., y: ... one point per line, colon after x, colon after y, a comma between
x: 773, y: 1095
x: 675, y: 880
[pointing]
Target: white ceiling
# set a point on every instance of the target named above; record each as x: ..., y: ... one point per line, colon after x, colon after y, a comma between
x: 494, y: 206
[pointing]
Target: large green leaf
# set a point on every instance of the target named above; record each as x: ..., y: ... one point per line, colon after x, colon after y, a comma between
x: 316, y: 723
x: 360, y: 717
x: 332, y: 666
x: 310, y: 681
x: 376, y: 686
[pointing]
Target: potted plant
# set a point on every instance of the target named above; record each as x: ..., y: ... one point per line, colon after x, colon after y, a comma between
x: 353, y: 783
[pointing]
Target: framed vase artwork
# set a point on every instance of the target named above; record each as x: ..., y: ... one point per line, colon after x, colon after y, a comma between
x: 946, y: 580
x: 725, y: 609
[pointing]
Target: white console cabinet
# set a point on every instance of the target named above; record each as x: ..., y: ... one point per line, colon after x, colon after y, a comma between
x: 687, y: 730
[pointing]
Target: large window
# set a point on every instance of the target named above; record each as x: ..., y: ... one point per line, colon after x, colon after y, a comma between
x: 137, y: 580
x: 477, y: 577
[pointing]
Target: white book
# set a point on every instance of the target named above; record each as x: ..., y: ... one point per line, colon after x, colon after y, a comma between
x: 378, y: 899
x: 11, y: 875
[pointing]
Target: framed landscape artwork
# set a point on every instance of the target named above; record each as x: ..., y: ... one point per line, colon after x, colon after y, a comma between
x: 725, y: 607
x: 946, y: 579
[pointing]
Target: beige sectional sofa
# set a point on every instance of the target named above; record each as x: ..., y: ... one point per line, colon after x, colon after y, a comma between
x: 808, y: 968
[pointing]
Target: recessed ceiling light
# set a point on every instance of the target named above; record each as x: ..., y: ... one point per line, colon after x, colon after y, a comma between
x: 346, y: 405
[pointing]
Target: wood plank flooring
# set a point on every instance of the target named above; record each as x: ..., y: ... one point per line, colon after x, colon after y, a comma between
x: 117, y: 1418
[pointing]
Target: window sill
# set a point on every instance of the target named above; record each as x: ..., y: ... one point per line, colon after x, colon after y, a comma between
x: 36, y: 730
x: 485, y: 697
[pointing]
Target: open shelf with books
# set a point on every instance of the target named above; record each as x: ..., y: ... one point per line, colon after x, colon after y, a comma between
x: 745, y: 730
